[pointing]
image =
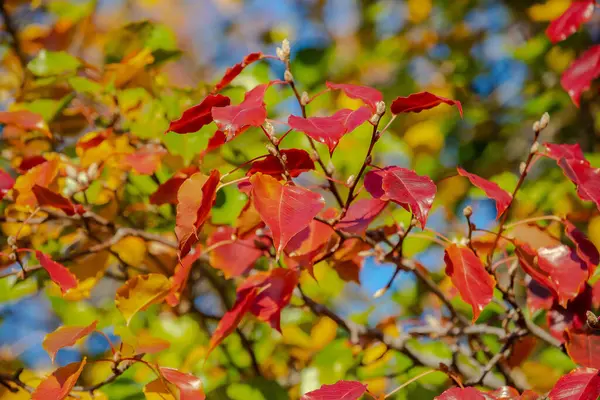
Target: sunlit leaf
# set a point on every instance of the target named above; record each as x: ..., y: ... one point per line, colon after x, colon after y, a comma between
x: 58, y: 273
x: 190, y: 387
x: 234, y: 256
x: 58, y: 385
x: 65, y: 336
x: 140, y: 292
x: 579, y: 384
x: 418, y: 102
x: 491, y: 189
x: 342, y: 390
x: 46, y: 197
x: 234, y: 71
x: 367, y: 94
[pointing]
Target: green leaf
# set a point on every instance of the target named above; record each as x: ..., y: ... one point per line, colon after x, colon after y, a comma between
x: 49, y: 63
x: 190, y: 145
x: 11, y: 288
x: 84, y: 85
x: 229, y: 203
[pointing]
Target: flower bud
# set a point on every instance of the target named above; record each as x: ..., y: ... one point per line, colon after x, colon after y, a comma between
x: 71, y: 171
x: 380, y: 108
x: 468, y: 211
x: 287, y: 76
x: 304, y: 99
x: 285, y: 47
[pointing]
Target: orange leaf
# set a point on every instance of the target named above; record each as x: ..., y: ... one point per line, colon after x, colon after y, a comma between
x: 65, y: 336
x: 58, y: 385
x: 190, y: 387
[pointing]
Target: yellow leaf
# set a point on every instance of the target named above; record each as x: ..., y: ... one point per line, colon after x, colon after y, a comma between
x: 559, y: 59
x: 158, y: 390
x: 323, y: 332
x: 541, y: 377
x: 419, y: 10
x: 426, y: 135
x: 374, y: 353
x: 131, y: 249
x: 548, y: 11
x: 140, y: 292
x: 295, y: 336
x: 42, y: 175
x: 594, y: 230
x: 122, y: 73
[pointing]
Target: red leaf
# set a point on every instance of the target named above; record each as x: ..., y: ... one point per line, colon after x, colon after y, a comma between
x: 360, y: 214
x: 565, y: 269
x: 296, y: 161
x: 144, y: 162
x: 505, y: 393
x: 25, y: 120
x: 567, y: 151
x: 584, y: 349
x: 475, y: 285
x: 572, y: 317
x: 190, y: 387
x: 181, y: 274
x: 274, y: 292
x: 6, y: 183
x: 58, y: 273
x: 578, y: 13
x: 579, y: 384
x: 87, y: 142
x: 199, y: 115
x: 234, y: 71
x: 167, y: 191
x: 413, y: 192
x: 216, y: 141
x: 329, y: 130
x: 347, y: 260
x: 467, y: 393
x: 285, y: 209
x: 30, y: 162
x: 491, y: 189
x: 46, y: 197
x: 418, y: 102
x: 586, y: 250
x: 368, y: 95
x: 195, y: 199
x: 231, y: 320
x: 586, y: 178
x: 311, y: 243
x: 233, y: 120
x: 235, y: 256
x: 539, y: 297
x: 579, y: 76
x: 58, y: 385
x: 65, y: 336
x: 341, y: 390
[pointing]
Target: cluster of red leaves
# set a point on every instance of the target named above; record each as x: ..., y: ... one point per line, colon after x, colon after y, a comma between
x: 579, y: 76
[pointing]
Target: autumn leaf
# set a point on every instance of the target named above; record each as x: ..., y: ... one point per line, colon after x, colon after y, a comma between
x: 231, y: 255
x: 6, y: 183
x: 360, y: 214
x: 46, y: 197
x: 366, y: 94
x: 58, y: 273
x: 199, y: 115
x: 23, y: 121
x: 231, y: 319
x: 402, y: 186
x: 341, y: 390
x: 578, y: 13
x: 42, y: 175
x: 274, y: 292
x: 468, y: 274
x: 180, y: 277
x: 234, y: 71
x: 190, y: 387
x: 296, y: 162
x: 505, y: 393
x: 29, y: 162
x: 311, y: 243
x: 145, y: 161
x: 418, y: 102
x: 140, y: 292
x: 329, y: 130
x: 566, y: 151
x: 579, y: 384
x: 58, y: 385
x: 586, y: 178
x: 166, y: 193
x: 491, y: 189
x: 284, y: 208
x: 579, y: 76
x: 583, y: 348
x: 195, y: 198
x: 65, y: 336
x: 467, y: 393
x: 586, y: 250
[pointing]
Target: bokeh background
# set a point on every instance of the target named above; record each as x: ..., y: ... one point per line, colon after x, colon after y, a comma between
x: 492, y: 55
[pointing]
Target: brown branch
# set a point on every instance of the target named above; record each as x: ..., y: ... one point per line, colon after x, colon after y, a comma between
x: 12, y: 31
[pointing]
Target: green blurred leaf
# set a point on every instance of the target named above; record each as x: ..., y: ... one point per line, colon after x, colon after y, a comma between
x: 49, y: 63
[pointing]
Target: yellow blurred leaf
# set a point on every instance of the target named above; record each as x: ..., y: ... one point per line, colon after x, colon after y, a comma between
x: 158, y: 390
x: 541, y: 377
x: 120, y: 74
x: 594, y: 230
x: 426, y: 136
x: 374, y: 353
x: 295, y: 336
x: 559, y: 58
x: 131, y: 249
x: 323, y: 332
x: 419, y: 10
x: 140, y: 292
x: 548, y: 11
x: 42, y: 175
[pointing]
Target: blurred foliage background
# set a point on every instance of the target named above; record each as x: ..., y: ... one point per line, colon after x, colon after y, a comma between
x: 492, y: 55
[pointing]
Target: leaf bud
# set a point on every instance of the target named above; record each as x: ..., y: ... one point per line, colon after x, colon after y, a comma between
x: 544, y: 121
x: 379, y: 293
x: 374, y: 119
x: 11, y: 240
x: 287, y: 76
x: 285, y: 47
x: 536, y: 126
x: 592, y: 319
x: 92, y: 170
x: 522, y: 167
x: 71, y: 171
x: 414, y: 222
x: 82, y: 178
x: 12, y: 257
x: 534, y: 147
x: 269, y: 128
x: 272, y: 150
x: 304, y: 99
x: 468, y: 211
x: 280, y: 54
x: 350, y: 180
x: 380, y: 108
